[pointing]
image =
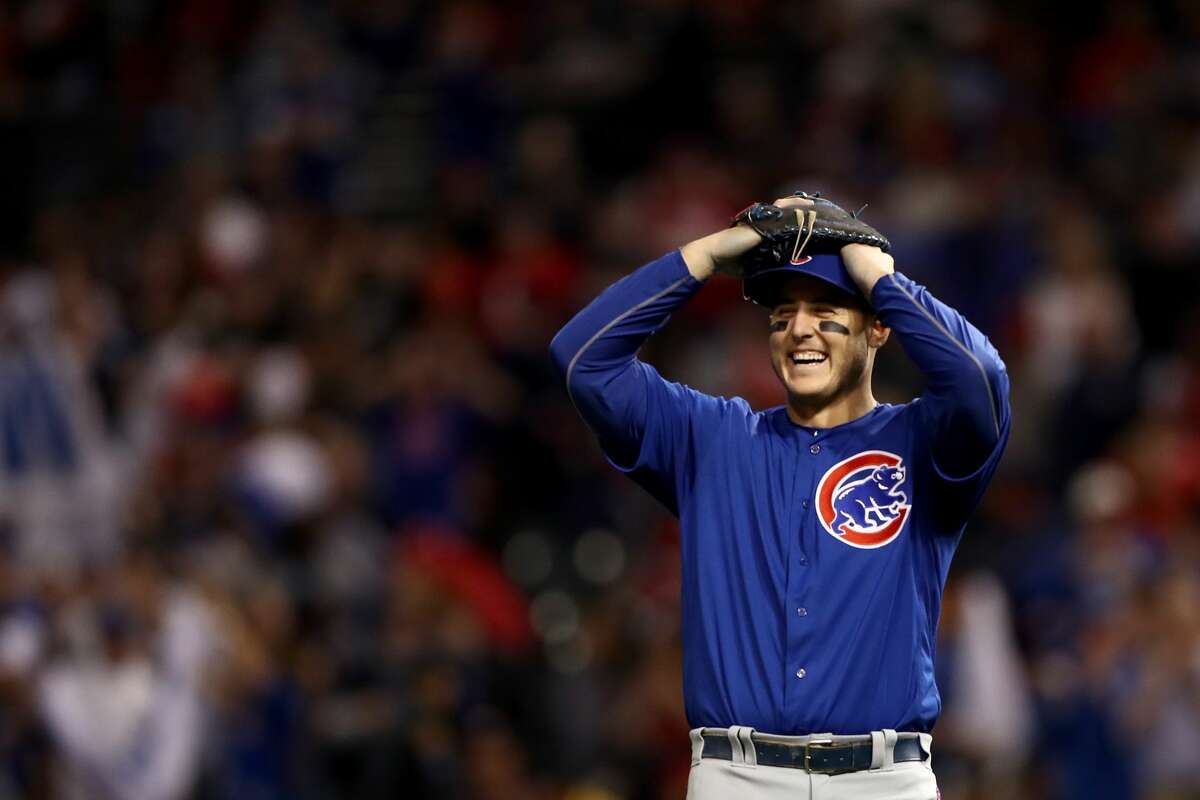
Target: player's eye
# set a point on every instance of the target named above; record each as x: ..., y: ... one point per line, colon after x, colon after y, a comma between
x: 778, y: 325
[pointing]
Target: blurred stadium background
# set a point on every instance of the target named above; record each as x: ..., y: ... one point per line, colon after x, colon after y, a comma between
x: 292, y: 505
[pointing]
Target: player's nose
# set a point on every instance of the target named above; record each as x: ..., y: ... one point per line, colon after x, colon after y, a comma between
x: 802, y: 325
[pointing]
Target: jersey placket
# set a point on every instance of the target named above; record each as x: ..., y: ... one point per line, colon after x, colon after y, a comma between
x: 800, y: 641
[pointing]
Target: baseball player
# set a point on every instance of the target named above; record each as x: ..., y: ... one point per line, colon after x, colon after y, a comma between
x: 816, y: 535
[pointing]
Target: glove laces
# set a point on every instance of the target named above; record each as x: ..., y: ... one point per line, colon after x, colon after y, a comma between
x: 807, y: 218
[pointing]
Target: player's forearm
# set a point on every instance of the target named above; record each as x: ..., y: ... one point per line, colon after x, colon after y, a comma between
x: 601, y: 341
x: 698, y: 256
x: 964, y: 374
x: 719, y: 252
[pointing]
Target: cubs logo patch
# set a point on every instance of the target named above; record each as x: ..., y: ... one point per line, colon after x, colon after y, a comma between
x: 860, y: 500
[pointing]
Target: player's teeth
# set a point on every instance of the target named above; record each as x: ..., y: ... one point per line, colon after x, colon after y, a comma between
x: 808, y: 358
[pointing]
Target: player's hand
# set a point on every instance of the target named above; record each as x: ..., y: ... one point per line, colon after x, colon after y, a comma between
x: 867, y: 265
x: 721, y: 252
x: 791, y: 201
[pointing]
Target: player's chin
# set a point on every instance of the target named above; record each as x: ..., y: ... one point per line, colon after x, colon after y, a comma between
x: 812, y: 376
x: 807, y: 385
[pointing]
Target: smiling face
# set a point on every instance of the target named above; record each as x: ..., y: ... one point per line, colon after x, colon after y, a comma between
x: 822, y: 342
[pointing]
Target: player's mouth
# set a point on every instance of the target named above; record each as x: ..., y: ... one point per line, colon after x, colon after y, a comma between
x: 807, y: 358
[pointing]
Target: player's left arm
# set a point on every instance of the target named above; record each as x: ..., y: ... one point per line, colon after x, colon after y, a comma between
x: 966, y: 398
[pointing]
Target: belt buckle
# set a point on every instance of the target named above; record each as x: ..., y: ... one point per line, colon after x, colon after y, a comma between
x: 823, y: 744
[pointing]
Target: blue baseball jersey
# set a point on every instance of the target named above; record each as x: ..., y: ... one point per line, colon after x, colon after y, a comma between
x: 813, y: 560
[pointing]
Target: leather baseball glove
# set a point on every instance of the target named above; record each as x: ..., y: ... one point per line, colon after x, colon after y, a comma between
x: 790, y: 234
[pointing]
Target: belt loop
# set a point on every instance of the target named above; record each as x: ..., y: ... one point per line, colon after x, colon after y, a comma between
x: 697, y: 737
x: 736, y: 757
x: 748, y: 748
x: 927, y: 743
x: 878, y: 745
x: 888, y: 754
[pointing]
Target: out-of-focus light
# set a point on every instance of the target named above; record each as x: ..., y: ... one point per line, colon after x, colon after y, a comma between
x: 555, y: 616
x: 279, y: 385
x: 288, y: 471
x: 527, y: 558
x: 599, y: 556
x: 569, y: 657
x: 234, y: 235
x: 1100, y: 491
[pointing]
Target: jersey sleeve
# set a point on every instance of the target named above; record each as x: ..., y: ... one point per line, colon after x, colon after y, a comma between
x: 964, y: 414
x: 644, y: 423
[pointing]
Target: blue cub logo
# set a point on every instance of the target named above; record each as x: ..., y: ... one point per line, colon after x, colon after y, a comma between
x: 872, y: 501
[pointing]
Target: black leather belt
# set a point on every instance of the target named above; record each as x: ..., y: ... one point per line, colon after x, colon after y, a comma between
x: 822, y: 756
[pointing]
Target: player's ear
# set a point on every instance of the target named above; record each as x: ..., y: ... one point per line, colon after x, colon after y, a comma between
x: 877, y: 334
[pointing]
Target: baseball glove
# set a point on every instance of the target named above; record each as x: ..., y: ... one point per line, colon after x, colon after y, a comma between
x: 789, y: 234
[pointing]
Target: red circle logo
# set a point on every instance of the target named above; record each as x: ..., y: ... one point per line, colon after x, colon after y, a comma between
x: 861, y: 500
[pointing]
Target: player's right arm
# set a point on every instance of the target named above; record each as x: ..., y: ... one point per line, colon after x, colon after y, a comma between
x: 639, y: 418
x: 596, y: 353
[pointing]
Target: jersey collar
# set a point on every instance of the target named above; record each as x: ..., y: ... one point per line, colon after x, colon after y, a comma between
x: 784, y: 425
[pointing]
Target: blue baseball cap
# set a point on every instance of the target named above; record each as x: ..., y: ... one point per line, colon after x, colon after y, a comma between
x: 762, y: 286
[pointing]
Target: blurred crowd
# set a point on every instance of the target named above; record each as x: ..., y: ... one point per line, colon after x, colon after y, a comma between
x: 293, y: 506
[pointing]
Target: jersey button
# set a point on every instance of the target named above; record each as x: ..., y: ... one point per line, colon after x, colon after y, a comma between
x: 804, y: 503
x: 800, y: 673
x: 816, y: 448
x: 802, y: 611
